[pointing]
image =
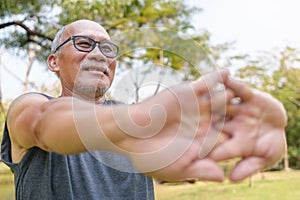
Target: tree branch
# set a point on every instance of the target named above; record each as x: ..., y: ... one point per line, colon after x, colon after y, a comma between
x: 26, y: 28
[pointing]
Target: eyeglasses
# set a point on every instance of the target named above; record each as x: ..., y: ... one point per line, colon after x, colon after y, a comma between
x: 87, y: 44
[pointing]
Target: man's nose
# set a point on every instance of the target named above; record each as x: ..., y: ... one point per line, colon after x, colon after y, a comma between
x: 97, y: 55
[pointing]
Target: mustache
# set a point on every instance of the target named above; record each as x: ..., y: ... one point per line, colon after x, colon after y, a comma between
x: 98, y: 66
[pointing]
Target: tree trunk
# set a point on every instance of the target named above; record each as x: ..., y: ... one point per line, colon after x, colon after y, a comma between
x: 2, y: 109
x: 286, y: 160
x: 29, y: 66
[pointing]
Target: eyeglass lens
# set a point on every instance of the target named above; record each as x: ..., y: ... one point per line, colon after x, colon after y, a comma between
x: 87, y: 44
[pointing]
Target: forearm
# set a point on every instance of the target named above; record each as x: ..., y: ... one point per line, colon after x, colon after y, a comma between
x: 70, y: 126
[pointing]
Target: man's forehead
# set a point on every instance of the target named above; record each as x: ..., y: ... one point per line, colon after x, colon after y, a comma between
x: 85, y: 27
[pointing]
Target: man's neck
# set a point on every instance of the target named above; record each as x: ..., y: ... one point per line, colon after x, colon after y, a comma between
x: 96, y: 100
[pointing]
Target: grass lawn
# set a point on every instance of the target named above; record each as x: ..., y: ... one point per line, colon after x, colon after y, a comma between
x: 266, y: 186
x: 6, y: 183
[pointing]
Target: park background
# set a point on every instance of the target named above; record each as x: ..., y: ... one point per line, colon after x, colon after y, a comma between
x: 258, y: 41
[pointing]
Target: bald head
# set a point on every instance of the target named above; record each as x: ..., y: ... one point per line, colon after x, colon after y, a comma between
x: 84, y: 25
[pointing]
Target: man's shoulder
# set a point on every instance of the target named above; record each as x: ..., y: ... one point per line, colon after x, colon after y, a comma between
x: 27, y: 101
x: 30, y: 97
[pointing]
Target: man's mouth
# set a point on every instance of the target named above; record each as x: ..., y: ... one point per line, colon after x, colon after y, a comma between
x: 102, y: 69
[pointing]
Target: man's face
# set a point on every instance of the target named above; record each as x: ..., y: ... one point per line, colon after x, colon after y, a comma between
x: 87, y: 74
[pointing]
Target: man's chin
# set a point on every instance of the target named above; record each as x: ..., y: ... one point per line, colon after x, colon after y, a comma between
x: 91, y: 91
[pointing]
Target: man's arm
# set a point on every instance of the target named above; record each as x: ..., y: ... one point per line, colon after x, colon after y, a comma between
x: 162, y: 136
x: 33, y: 120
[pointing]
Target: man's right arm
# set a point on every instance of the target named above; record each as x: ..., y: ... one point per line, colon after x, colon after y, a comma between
x: 60, y: 125
x: 26, y: 119
x: 162, y: 136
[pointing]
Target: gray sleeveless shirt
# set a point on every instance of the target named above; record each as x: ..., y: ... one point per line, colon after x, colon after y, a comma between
x: 42, y: 175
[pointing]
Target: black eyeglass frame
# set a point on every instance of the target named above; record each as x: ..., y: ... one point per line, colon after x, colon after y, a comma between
x: 93, y: 45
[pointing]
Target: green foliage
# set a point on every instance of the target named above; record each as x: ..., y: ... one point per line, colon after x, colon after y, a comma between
x: 33, y: 24
x: 28, y: 7
x: 153, y: 26
x: 26, y: 24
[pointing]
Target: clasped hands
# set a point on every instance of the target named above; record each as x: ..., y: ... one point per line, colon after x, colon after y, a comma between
x: 192, y: 127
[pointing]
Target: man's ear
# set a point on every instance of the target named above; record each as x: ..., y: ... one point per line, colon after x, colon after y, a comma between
x: 52, y: 64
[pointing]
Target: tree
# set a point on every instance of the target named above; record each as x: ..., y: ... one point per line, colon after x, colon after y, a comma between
x: 36, y: 22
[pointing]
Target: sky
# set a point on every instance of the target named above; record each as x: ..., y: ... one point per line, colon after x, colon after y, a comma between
x: 254, y: 25
x: 12, y: 86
